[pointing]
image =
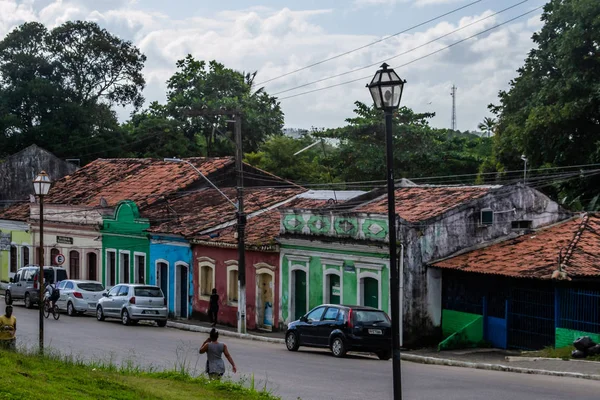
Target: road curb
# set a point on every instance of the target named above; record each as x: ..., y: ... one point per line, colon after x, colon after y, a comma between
x: 223, y: 332
x: 494, y: 367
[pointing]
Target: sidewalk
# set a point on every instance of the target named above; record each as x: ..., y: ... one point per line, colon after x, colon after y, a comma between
x: 205, y: 327
x: 508, y: 361
x: 487, y: 359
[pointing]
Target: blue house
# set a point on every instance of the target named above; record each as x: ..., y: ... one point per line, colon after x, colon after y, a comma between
x: 170, y: 268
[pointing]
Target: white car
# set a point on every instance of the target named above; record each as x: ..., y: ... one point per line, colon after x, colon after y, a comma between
x: 78, y: 297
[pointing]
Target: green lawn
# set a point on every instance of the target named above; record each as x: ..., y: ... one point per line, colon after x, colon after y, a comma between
x: 25, y: 376
x: 563, y: 353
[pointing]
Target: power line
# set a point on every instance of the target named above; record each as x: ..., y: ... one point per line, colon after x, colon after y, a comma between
x: 416, y: 59
x: 367, y: 45
x: 400, y: 54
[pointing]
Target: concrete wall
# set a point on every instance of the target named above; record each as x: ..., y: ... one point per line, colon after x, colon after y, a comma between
x: 222, y: 258
x: 565, y: 337
x: 470, y: 335
x: 17, y: 172
x: 457, y: 230
x: 454, y: 321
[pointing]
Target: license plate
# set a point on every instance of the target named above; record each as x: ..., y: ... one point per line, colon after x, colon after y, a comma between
x: 149, y: 312
x: 375, y: 332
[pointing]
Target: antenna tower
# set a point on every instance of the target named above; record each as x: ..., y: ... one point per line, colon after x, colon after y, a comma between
x: 453, y: 94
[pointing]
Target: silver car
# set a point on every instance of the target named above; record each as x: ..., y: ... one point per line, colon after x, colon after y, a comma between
x: 78, y: 297
x: 132, y: 303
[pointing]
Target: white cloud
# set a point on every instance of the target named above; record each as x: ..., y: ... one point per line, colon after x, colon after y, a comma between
x: 279, y: 41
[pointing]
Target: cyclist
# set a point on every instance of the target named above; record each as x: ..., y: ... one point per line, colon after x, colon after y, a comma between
x: 52, y: 294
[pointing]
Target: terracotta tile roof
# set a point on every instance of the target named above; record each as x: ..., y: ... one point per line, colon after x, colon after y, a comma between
x: 17, y: 212
x: 419, y: 203
x: 535, y: 255
x: 190, y: 213
x: 142, y: 180
x: 262, y: 229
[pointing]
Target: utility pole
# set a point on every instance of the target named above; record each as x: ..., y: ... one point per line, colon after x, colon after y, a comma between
x: 241, y: 225
x: 453, y: 94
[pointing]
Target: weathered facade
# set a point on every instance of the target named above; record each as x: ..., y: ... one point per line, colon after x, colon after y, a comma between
x: 18, y: 171
x: 16, y: 247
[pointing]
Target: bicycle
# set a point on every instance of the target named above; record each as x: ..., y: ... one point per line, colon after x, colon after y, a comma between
x: 48, y: 309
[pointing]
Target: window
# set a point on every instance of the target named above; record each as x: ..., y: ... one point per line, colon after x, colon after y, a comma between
x: 140, y: 268
x: 25, y: 255
x: 69, y: 285
x: 124, y: 267
x: 17, y: 277
x: 330, y: 314
x: 92, y: 266
x: 53, y: 253
x: 206, y: 280
x: 13, y: 259
x: 61, y: 275
x: 28, y: 275
x: 124, y: 290
x: 61, y: 285
x: 111, y: 268
x: 521, y: 224
x: 232, y: 285
x: 341, y: 317
x: 148, y: 291
x: 371, y: 316
x: 316, y: 314
x: 91, y: 287
x: 114, y: 291
x: 487, y: 217
x: 74, y: 264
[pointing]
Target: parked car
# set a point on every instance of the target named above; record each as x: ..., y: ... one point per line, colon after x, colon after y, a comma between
x: 24, y: 285
x: 343, y: 329
x: 78, y: 297
x: 133, y: 303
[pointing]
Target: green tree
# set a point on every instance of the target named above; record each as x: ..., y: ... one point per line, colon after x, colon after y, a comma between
x: 58, y: 87
x: 197, y: 86
x: 487, y: 125
x: 551, y: 111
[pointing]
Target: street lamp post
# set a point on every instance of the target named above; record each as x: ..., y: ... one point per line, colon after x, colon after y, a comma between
x: 386, y: 89
x: 41, y: 186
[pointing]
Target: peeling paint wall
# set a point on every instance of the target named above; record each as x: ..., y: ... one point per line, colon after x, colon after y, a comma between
x: 458, y: 230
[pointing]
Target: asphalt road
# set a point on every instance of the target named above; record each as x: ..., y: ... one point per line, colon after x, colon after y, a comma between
x: 307, y: 374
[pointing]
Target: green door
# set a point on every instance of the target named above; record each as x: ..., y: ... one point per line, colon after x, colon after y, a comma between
x: 299, y: 293
x: 334, y: 289
x: 371, y: 289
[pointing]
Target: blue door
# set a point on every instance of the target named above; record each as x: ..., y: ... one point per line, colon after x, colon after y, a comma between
x: 495, y: 329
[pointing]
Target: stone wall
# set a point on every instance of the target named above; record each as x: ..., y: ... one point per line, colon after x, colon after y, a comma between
x: 19, y: 170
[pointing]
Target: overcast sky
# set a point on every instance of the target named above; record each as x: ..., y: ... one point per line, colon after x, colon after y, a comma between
x: 277, y: 37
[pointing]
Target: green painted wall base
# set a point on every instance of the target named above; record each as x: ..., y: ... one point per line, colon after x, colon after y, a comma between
x: 565, y: 337
x: 470, y: 335
x: 454, y: 321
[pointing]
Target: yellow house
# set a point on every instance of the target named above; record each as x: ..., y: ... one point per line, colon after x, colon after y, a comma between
x: 16, y: 248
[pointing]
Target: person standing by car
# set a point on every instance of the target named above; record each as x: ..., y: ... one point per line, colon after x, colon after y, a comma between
x: 8, y: 329
x: 215, y: 367
x: 213, y: 309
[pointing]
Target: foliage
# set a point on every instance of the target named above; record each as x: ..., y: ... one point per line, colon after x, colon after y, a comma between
x: 487, y: 126
x: 551, y: 112
x: 33, y: 377
x: 57, y: 88
x: 419, y: 150
x: 197, y: 86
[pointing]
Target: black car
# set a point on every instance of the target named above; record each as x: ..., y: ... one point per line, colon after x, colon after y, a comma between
x: 343, y: 329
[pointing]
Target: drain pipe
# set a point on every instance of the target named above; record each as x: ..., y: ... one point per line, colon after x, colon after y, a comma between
x: 401, y: 279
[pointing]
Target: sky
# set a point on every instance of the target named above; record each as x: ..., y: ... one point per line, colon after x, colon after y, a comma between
x: 280, y: 37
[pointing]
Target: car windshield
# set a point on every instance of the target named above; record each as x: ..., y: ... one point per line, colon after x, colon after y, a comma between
x: 370, y: 316
x: 91, y: 286
x: 148, y: 291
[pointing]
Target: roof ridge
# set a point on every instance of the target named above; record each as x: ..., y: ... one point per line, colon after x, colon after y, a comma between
x: 574, y: 242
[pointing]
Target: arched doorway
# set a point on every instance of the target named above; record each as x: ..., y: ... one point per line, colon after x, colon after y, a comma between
x: 162, y: 280
x: 299, y: 294
x: 92, y: 266
x: 53, y: 253
x: 181, y: 290
x: 74, y: 264
x: 264, y: 298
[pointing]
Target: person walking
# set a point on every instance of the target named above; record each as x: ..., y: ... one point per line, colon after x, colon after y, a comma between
x: 213, y: 309
x: 8, y: 329
x: 215, y: 366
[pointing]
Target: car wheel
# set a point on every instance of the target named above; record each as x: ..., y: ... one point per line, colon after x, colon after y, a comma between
x: 162, y: 324
x: 384, y: 355
x: 338, y: 348
x: 28, y: 303
x: 7, y: 298
x: 291, y: 341
x: 125, y: 318
x: 71, y: 310
x: 99, y: 314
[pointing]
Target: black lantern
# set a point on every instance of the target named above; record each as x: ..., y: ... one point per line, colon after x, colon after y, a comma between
x: 386, y: 88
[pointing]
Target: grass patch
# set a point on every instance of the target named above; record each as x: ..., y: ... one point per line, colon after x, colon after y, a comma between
x: 30, y: 376
x: 563, y: 353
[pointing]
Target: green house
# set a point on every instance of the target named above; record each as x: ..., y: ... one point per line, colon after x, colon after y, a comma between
x: 126, y: 246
